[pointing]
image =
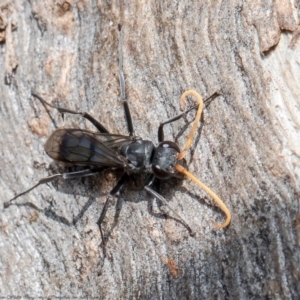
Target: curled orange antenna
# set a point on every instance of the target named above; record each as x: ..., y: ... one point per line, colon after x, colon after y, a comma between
x: 181, y: 169
x: 197, y: 119
x: 181, y: 155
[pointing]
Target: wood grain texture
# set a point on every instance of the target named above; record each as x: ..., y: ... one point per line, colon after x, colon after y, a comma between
x: 247, y: 148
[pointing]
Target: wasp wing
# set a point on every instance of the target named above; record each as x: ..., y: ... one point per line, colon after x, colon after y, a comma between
x: 83, y: 147
x: 113, y: 141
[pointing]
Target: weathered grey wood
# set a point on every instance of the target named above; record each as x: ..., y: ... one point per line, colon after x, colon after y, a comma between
x: 247, y: 149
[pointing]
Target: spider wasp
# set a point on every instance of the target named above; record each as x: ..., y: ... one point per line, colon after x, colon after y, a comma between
x: 103, y: 150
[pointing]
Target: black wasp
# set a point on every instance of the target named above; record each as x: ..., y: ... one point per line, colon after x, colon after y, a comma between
x: 102, y: 150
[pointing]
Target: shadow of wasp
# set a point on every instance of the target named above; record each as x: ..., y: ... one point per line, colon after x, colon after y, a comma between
x: 103, y: 150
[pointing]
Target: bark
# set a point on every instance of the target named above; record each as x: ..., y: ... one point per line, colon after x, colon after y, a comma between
x: 246, y: 149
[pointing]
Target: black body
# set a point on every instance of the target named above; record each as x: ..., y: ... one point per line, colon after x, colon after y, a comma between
x: 92, y: 149
x: 102, y: 150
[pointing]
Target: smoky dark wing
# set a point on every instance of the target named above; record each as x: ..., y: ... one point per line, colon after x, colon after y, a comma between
x: 81, y: 147
x: 113, y: 141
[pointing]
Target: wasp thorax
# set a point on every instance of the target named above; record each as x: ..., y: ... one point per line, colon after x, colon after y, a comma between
x: 138, y: 154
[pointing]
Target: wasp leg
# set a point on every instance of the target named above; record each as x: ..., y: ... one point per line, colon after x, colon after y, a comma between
x: 62, y: 110
x: 161, y: 126
x: 211, y: 193
x: 179, y: 116
x: 112, y: 193
x: 122, y: 85
x: 82, y: 173
x: 165, y: 202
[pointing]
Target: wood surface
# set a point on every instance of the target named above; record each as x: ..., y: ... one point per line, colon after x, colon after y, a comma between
x: 247, y: 149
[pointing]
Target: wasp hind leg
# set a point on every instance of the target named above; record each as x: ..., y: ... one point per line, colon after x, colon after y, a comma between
x: 62, y: 110
x: 122, y: 85
x: 69, y: 175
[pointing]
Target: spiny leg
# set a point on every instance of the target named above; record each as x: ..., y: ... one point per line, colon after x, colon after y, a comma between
x: 69, y: 175
x: 122, y: 85
x: 165, y: 202
x: 179, y: 116
x: 111, y: 194
x: 161, y: 125
x: 62, y: 110
x: 223, y: 207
